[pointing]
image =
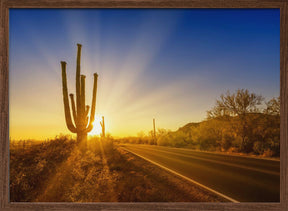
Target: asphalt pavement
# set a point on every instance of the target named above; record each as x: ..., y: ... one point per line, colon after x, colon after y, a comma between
x: 241, y: 178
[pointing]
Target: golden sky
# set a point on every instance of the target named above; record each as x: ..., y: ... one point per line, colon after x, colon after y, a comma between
x: 170, y: 65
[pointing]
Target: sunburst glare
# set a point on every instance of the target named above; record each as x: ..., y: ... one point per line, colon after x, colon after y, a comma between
x: 97, y: 129
x: 150, y: 68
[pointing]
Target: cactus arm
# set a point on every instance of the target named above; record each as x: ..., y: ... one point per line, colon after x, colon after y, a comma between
x: 103, y: 127
x: 87, y: 110
x: 82, y: 103
x: 78, y: 91
x: 73, y: 109
x: 68, y: 119
x: 92, y: 112
x: 86, y: 122
x: 86, y: 115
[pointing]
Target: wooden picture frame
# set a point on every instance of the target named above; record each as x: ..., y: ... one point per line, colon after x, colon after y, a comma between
x: 5, y: 5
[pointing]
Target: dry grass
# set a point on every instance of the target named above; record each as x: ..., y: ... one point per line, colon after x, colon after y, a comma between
x: 58, y: 172
x: 33, y: 165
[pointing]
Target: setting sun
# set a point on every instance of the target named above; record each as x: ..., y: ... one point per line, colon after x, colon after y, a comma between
x: 96, y: 126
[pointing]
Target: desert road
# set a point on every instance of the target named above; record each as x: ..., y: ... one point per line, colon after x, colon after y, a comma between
x: 240, y: 178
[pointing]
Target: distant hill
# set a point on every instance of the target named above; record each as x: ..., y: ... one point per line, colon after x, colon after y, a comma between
x: 186, y: 128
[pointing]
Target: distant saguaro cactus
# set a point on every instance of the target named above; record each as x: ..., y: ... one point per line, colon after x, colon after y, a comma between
x: 102, y: 123
x: 79, y: 111
x: 154, y: 132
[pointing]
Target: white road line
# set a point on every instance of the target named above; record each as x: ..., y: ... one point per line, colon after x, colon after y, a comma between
x: 215, y: 153
x: 184, y: 177
x: 217, y: 162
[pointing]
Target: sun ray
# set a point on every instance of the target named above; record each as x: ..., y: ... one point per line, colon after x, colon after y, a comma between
x: 96, y: 126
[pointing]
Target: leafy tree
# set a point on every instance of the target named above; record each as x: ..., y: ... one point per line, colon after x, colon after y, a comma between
x: 273, y: 125
x: 237, y: 104
x: 273, y: 106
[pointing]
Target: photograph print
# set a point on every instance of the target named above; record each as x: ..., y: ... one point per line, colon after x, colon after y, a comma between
x: 144, y: 105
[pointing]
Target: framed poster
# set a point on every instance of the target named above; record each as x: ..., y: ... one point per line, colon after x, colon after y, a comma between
x: 150, y: 104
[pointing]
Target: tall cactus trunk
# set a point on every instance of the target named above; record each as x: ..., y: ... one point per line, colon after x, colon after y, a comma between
x: 103, y: 127
x: 82, y: 141
x: 79, y: 111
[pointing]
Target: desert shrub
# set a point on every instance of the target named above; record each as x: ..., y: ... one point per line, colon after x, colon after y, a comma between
x: 226, y: 142
x: 179, y: 139
x: 275, y: 148
x: 258, y: 147
x: 164, y: 141
x: 268, y: 153
x: 32, y: 166
x: 173, y: 139
x: 207, y: 143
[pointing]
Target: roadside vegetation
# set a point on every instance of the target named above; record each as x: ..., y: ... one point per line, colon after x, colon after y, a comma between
x: 33, y: 163
x: 58, y: 171
x: 240, y: 122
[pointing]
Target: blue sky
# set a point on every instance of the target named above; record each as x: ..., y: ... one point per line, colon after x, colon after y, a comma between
x: 168, y: 64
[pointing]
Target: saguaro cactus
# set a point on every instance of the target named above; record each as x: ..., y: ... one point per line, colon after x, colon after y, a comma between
x: 154, y: 132
x: 102, y: 123
x: 82, y: 125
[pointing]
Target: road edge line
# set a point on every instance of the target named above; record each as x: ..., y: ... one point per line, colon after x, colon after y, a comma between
x: 184, y: 177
